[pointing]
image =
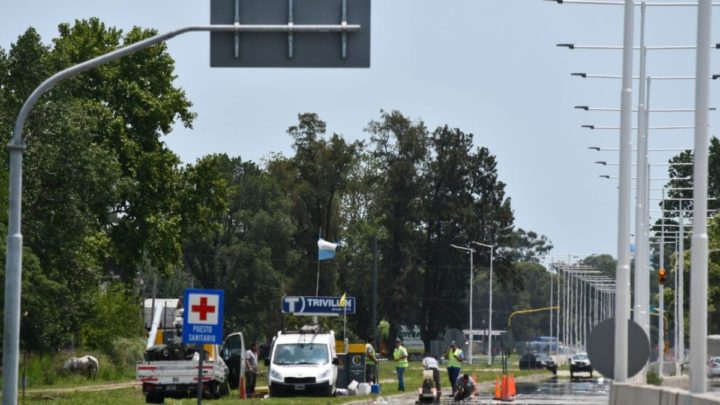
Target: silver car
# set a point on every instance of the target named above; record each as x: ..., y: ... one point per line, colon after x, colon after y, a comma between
x: 714, y: 367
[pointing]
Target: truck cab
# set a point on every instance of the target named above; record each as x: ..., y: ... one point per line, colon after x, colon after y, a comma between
x: 302, y: 362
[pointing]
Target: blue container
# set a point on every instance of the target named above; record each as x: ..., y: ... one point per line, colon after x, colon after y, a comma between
x: 375, y: 389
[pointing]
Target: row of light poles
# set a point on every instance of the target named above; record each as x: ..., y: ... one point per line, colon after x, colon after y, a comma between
x: 471, y: 251
x: 586, y: 296
x: 699, y: 252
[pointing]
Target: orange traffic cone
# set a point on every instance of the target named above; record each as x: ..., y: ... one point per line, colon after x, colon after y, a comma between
x: 497, y: 388
x: 241, y: 388
x: 504, y: 390
x: 513, y: 389
x: 474, y: 382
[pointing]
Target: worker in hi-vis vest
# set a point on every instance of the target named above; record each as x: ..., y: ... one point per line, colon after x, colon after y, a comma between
x: 454, y: 358
x: 400, y: 355
x: 370, y: 362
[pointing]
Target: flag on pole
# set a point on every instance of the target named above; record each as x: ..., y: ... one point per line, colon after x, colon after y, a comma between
x: 343, y: 300
x: 326, y: 250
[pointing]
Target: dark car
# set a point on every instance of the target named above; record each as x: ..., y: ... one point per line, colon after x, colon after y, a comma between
x: 537, y: 360
x: 580, y: 363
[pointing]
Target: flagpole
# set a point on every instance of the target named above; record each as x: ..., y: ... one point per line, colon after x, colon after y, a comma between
x: 317, y: 282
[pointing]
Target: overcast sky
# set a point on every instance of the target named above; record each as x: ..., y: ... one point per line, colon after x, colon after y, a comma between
x: 489, y: 67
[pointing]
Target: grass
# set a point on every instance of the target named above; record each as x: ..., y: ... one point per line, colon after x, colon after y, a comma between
x: 387, y: 376
x: 46, y: 371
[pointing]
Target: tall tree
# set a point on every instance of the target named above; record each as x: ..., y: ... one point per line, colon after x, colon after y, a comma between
x: 401, y: 150
x: 239, y: 239
x: 98, y: 131
x: 315, y: 179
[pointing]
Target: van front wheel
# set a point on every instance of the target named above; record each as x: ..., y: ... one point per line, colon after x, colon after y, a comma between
x: 275, y: 391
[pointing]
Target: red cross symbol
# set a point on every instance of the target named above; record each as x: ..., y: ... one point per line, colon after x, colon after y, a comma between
x: 203, y: 308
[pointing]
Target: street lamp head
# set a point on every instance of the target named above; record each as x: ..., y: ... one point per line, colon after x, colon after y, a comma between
x: 601, y: 162
x: 470, y: 250
x: 597, y: 148
x: 588, y: 126
x: 569, y: 46
x: 605, y: 176
x: 583, y: 107
x: 483, y: 244
x: 579, y: 74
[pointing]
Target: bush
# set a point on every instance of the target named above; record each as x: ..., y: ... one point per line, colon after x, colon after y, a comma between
x: 114, y: 315
x: 126, y: 351
x: 653, y: 378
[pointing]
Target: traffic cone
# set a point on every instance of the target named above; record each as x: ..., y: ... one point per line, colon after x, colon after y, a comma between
x: 241, y: 388
x: 513, y: 390
x: 504, y: 390
x: 497, y: 388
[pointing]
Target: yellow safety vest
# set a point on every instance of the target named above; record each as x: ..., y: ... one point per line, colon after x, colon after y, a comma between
x: 369, y: 350
x: 453, y: 358
x: 397, y: 354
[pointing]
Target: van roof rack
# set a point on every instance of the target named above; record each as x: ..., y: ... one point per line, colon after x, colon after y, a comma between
x: 307, y: 329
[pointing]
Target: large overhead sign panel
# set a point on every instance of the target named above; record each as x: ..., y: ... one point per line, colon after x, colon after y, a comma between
x: 291, y: 33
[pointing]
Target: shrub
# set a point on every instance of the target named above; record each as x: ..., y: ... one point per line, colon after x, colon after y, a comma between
x: 114, y: 315
x: 653, y: 378
x: 126, y: 351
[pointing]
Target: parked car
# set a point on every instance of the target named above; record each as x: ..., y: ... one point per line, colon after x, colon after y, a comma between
x: 714, y: 367
x: 580, y: 363
x: 537, y: 360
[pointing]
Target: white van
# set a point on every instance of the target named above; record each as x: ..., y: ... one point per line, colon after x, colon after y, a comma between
x: 303, y: 362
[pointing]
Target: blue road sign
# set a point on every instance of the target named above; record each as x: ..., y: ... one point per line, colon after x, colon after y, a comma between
x: 310, y: 305
x: 203, y: 316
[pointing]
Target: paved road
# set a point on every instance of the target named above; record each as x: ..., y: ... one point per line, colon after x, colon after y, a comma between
x: 555, y: 391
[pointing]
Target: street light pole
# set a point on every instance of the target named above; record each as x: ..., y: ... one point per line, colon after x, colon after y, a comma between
x: 470, y: 300
x: 492, y: 249
x: 622, y: 300
x: 661, y: 294
x: 699, y: 256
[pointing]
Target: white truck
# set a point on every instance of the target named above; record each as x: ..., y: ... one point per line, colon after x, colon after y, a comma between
x: 170, y: 369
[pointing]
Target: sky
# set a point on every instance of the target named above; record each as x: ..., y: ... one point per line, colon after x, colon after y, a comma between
x: 488, y: 67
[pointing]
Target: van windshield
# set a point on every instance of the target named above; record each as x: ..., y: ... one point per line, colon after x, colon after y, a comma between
x: 301, y: 353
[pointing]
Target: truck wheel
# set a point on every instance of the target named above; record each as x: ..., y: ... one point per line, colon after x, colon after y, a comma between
x: 224, y: 389
x: 214, y: 390
x: 154, y: 398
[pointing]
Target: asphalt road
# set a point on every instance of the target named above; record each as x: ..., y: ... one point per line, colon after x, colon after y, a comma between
x: 557, y: 391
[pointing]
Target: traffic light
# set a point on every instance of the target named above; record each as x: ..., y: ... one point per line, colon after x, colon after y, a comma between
x: 661, y: 275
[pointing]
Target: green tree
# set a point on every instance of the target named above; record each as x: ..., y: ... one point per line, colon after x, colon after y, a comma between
x: 316, y: 178
x: 401, y: 151
x: 100, y: 187
x: 239, y: 239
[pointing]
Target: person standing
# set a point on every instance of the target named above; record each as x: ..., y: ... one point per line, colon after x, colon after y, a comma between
x: 430, y: 363
x: 370, y: 362
x: 251, y: 368
x: 455, y: 358
x: 400, y: 355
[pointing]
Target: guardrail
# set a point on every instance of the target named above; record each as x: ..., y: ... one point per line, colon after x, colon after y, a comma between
x: 622, y: 394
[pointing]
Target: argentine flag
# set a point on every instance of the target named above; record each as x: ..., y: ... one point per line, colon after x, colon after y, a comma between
x: 326, y: 250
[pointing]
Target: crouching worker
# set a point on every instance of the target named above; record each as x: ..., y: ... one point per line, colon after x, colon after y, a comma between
x: 464, y: 387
